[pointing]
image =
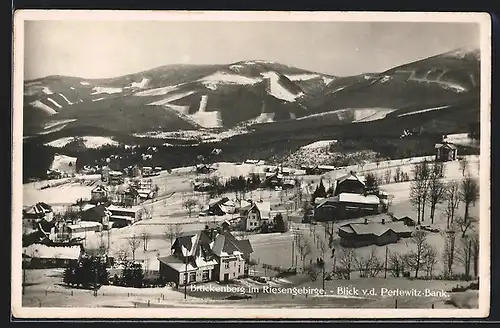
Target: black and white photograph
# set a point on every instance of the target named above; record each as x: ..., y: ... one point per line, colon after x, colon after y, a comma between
x: 251, y: 164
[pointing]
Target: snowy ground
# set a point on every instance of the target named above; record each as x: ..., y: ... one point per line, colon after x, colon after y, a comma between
x: 64, y: 164
x: 88, y: 141
x: 275, y: 248
x: 197, y: 135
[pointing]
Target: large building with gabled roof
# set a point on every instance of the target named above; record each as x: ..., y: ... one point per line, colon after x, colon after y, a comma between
x: 206, y: 255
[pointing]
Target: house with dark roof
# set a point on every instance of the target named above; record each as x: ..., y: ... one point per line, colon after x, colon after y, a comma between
x: 256, y: 215
x: 98, y: 213
x: 99, y: 194
x: 38, y: 256
x: 407, y: 221
x: 346, y: 206
x: 445, y: 151
x: 38, y: 211
x: 372, y: 233
x: 350, y: 183
x: 206, y: 255
x: 192, y: 259
x: 349, y: 200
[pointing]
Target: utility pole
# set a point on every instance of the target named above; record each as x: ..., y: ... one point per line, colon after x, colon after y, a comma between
x: 385, y: 265
x: 293, y: 248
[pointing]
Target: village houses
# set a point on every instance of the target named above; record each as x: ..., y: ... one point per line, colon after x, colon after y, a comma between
x: 445, y: 152
x: 255, y: 214
x: 350, y: 199
x: 375, y: 230
x: 206, y: 255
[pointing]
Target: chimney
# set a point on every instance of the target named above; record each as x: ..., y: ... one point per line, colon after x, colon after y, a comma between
x: 366, y: 221
x: 383, y: 221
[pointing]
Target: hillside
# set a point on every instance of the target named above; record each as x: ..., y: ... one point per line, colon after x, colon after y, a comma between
x: 169, y: 98
x: 256, y: 108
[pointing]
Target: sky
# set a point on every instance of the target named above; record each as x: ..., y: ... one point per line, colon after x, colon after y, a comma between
x: 100, y: 49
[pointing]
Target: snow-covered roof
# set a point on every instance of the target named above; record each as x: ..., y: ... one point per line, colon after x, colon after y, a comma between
x: 446, y: 145
x: 121, y: 217
x: 133, y: 209
x: 87, y: 206
x: 356, y: 198
x: 52, y: 252
x: 226, y: 245
x: 264, y: 208
x: 39, y: 208
x: 377, y: 229
x: 84, y: 224
x: 351, y: 176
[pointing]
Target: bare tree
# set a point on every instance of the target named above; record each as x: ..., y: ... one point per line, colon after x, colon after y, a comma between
x: 369, y: 266
x: 347, y: 260
x: 430, y: 259
x: 173, y: 231
x: 387, y: 176
x: 396, y: 264
x: 134, y: 242
x: 416, y: 258
x: 463, y: 165
x: 304, y: 248
x: 475, y: 252
x: 464, y: 224
x: 464, y: 255
x: 398, y: 175
x: 449, y: 252
x: 419, y: 189
x: 469, y: 193
x: 145, y: 239
x: 436, y: 190
x: 122, y: 255
x: 452, y: 199
x: 330, y: 232
x: 189, y: 204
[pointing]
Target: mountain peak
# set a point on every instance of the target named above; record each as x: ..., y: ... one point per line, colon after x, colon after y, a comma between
x: 471, y: 53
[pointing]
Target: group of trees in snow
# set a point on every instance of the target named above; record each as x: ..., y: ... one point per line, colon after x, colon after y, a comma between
x: 428, y: 189
x: 91, y: 271
x: 461, y: 237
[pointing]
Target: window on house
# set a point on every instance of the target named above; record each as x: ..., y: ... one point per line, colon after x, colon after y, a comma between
x: 235, y: 263
x: 192, y: 276
x: 206, y: 275
x: 239, y: 268
x: 226, y: 265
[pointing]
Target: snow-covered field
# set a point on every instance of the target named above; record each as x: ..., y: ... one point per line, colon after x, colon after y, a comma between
x: 63, y: 163
x: 198, y: 135
x: 54, y: 102
x: 262, y: 118
x: 302, y: 77
x: 213, y: 80
x: 462, y: 139
x: 64, y: 97
x: 42, y: 106
x: 319, y: 144
x: 276, y: 90
x: 108, y: 90
x: 371, y: 114
x: 89, y: 142
x: 157, y: 91
x: 423, y: 110
x: 64, y: 195
x: 141, y: 84
x: 172, y: 97
x: 168, y: 208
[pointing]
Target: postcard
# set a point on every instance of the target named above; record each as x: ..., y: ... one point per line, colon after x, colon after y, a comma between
x: 230, y: 164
